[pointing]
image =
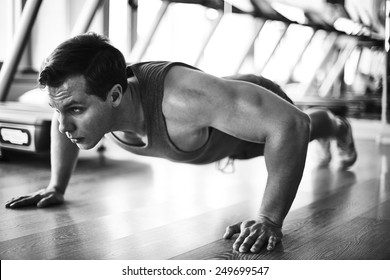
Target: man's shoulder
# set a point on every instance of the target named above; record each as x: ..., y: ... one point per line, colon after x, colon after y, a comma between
x: 188, y: 85
x: 193, y: 95
x: 185, y: 98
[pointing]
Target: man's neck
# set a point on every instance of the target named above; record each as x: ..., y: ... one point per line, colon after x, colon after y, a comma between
x: 130, y: 114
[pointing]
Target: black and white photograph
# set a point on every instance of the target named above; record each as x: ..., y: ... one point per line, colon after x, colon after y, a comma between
x: 237, y: 135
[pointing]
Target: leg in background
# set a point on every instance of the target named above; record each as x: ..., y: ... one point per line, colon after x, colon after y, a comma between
x: 323, y: 123
x: 325, y: 127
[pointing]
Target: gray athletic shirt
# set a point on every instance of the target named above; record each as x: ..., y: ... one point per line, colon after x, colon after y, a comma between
x: 219, y: 145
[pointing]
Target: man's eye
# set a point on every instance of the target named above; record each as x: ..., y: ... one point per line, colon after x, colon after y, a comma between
x: 76, y: 110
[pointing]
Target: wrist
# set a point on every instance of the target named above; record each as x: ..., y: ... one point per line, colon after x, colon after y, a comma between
x: 56, y: 188
x: 271, y: 222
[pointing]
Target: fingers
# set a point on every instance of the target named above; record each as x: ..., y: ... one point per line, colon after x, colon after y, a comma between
x: 262, y: 241
x: 255, y: 236
x: 250, y: 240
x: 259, y: 244
x: 50, y: 200
x: 272, y: 241
x: 41, y: 198
x: 9, y: 202
x: 240, y: 239
x: 232, y: 230
x: 44, y: 202
x: 22, y: 201
x: 254, y: 242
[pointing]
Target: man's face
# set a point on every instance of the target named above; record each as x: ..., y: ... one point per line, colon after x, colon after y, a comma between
x: 83, y: 118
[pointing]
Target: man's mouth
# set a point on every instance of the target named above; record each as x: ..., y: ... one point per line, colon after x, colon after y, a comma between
x: 76, y: 140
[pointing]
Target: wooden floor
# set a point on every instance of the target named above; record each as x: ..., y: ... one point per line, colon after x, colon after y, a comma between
x: 125, y: 207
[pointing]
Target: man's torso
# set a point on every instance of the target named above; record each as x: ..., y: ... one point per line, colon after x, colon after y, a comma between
x: 174, y: 128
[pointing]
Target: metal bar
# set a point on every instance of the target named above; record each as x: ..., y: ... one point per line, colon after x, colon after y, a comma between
x: 299, y: 57
x: 337, y: 68
x: 258, y: 30
x: 86, y: 16
x: 132, y: 26
x: 138, y: 53
x: 332, y: 40
x: 26, y: 61
x: 7, y: 73
x: 106, y: 18
x: 274, y: 50
x: 209, y: 36
x: 386, y: 86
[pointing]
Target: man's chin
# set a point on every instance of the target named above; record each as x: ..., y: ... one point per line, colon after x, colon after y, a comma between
x: 86, y: 146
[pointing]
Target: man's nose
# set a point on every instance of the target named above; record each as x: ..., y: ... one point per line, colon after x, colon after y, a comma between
x: 64, y: 124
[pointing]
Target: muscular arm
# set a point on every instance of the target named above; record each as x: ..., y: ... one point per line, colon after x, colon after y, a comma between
x: 63, y: 156
x: 285, y: 154
x: 252, y: 113
x: 260, y: 116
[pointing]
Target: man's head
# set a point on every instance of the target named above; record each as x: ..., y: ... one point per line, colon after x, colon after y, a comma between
x: 89, y: 55
x: 86, y: 79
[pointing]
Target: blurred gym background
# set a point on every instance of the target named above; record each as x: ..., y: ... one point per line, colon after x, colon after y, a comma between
x: 327, y: 53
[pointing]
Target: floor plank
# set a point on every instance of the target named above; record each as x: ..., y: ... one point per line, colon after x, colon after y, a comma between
x: 354, y: 240
x: 308, y: 223
x: 381, y: 212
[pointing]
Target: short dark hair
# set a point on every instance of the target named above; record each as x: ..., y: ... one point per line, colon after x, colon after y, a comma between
x: 90, y: 55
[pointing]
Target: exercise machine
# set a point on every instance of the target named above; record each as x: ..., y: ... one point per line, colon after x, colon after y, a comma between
x: 26, y: 127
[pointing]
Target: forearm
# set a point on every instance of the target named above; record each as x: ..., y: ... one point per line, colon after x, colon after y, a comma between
x: 285, y: 157
x: 63, y: 158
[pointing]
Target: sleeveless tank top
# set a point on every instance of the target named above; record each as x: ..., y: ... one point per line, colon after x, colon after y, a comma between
x: 219, y: 145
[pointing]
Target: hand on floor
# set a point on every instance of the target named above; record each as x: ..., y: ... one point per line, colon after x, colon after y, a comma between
x: 254, y: 235
x: 41, y: 198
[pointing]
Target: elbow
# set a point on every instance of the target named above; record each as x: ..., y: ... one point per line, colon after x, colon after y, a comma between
x: 302, y: 124
x: 293, y: 129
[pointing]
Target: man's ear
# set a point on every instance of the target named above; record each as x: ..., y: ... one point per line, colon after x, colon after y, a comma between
x: 115, y: 95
